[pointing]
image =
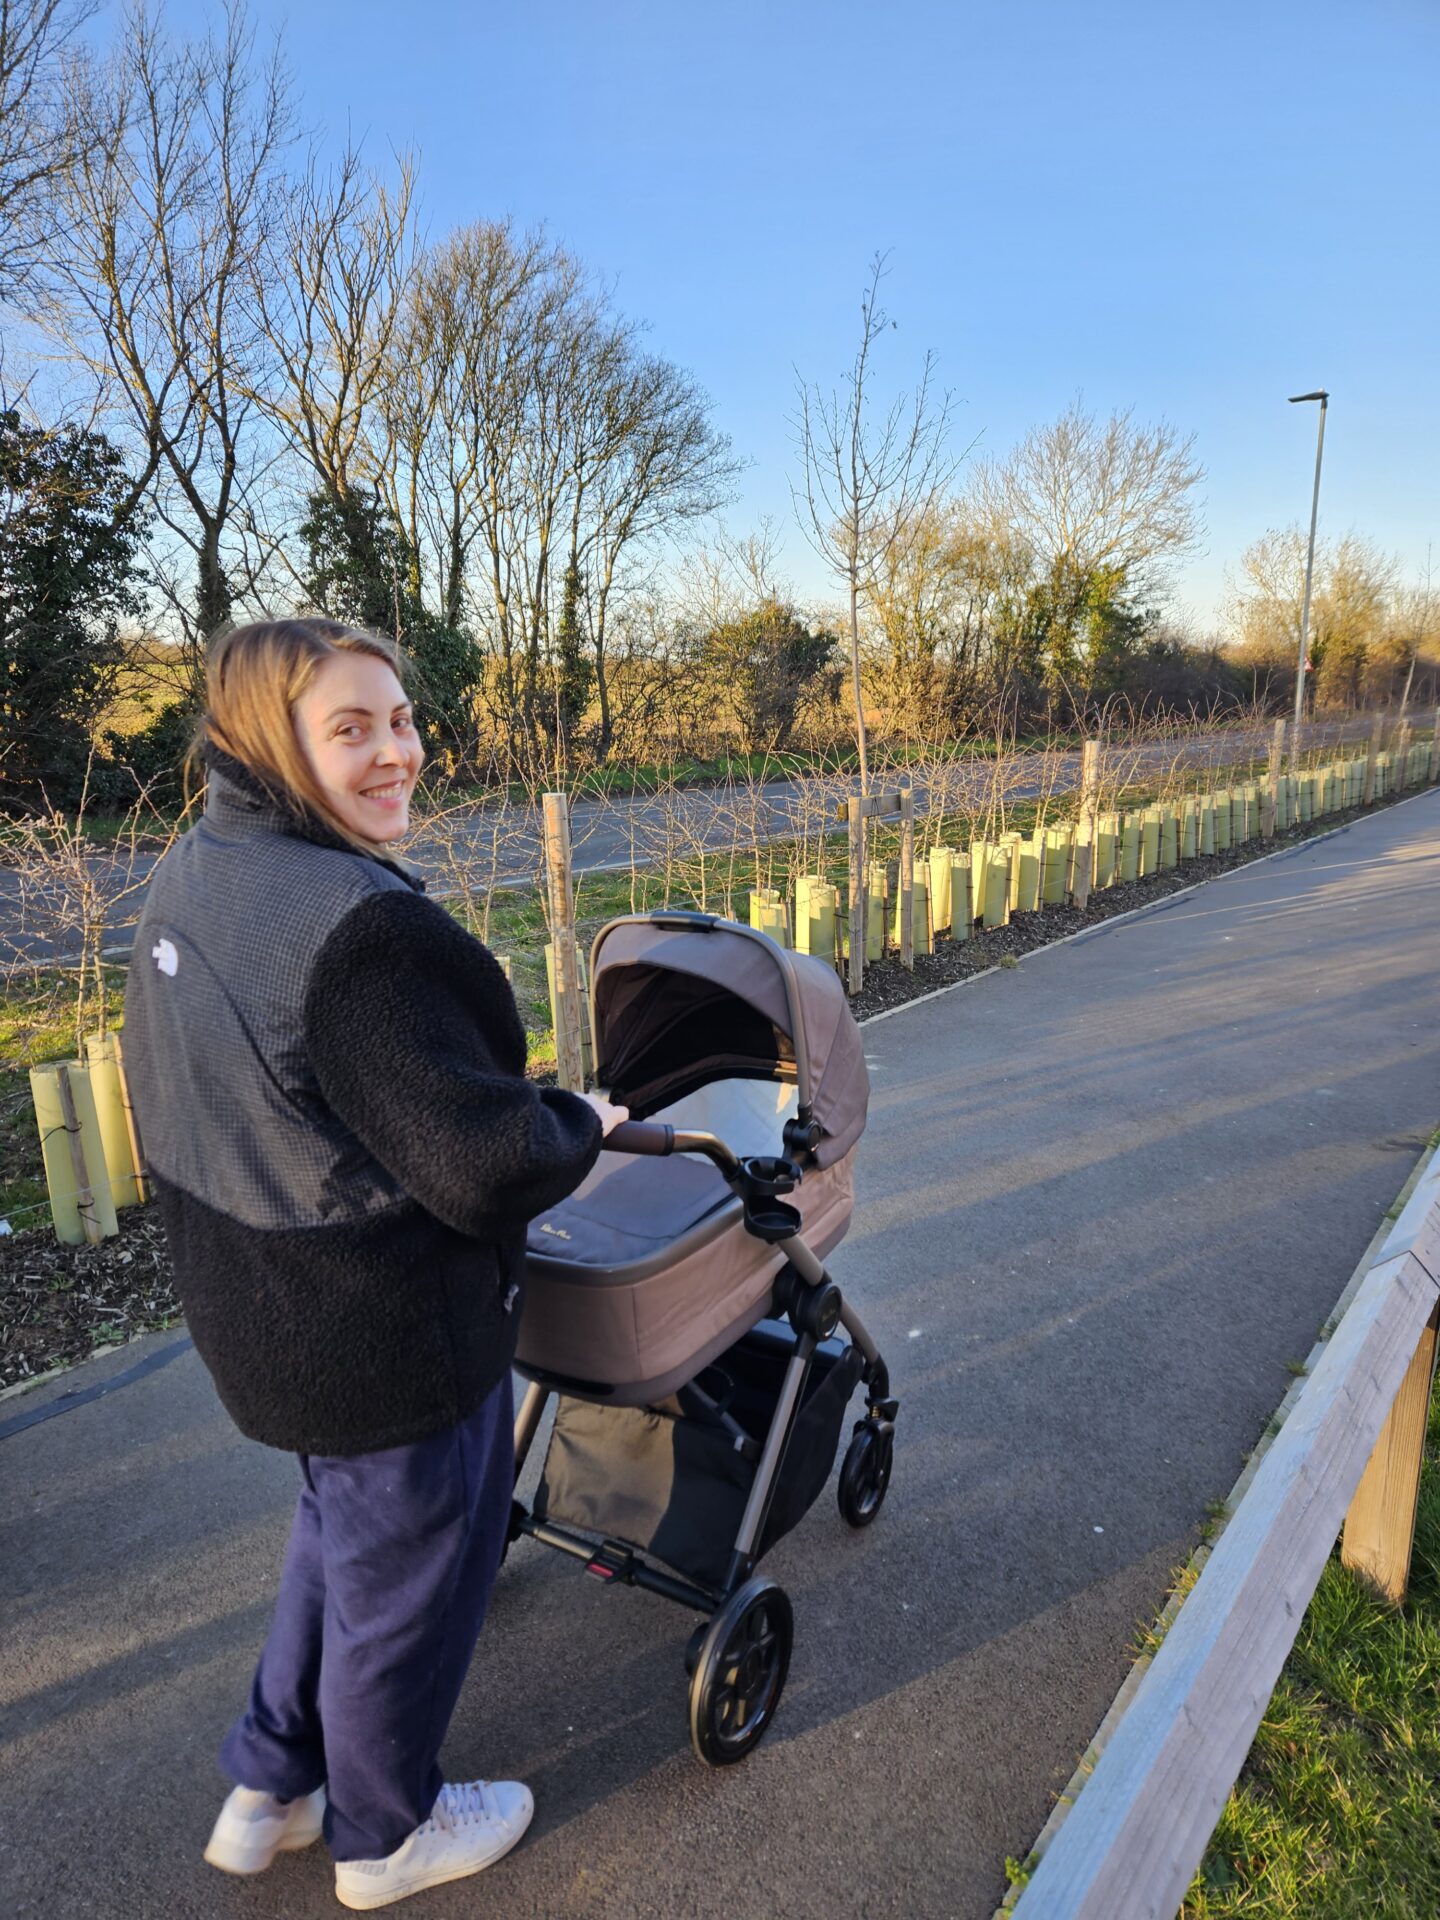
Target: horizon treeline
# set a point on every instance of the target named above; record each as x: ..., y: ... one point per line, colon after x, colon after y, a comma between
x: 240, y: 378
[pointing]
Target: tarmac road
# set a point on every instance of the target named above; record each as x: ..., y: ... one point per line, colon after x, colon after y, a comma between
x: 1104, y: 1198
x: 492, y: 848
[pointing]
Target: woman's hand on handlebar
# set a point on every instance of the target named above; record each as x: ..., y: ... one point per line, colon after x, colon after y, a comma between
x: 610, y: 1114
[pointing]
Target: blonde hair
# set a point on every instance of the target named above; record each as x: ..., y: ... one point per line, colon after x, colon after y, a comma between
x: 253, y: 677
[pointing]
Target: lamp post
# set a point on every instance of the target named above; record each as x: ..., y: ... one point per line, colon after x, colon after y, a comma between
x: 1295, y: 400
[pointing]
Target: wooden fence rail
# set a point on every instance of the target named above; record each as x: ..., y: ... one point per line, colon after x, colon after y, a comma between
x: 1129, y: 1847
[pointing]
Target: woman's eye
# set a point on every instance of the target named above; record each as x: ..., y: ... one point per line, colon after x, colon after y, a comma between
x: 404, y: 722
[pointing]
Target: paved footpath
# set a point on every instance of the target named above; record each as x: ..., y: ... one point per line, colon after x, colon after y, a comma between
x: 1105, y: 1197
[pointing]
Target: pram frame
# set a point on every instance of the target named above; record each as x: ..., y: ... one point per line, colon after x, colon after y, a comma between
x: 802, y: 1293
x: 814, y: 1306
x: 806, y: 1295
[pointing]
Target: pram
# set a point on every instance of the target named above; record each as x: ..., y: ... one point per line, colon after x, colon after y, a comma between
x: 701, y: 1357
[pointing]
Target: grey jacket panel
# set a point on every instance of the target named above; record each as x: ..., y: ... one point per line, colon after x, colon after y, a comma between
x: 233, y: 922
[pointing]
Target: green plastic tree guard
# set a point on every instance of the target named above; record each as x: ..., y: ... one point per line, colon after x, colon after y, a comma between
x: 1056, y: 865
x: 1149, y: 841
x: 921, y: 931
x: 876, y: 875
x: 816, y: 915
x: 940, y: 862
x: 960, y: 897
x: 1222, y: 820
x: 980, y: 851
x: 1169, y: 837
x: 1025, y: 874
x: 1130, y: 849
x: 1107, y: 835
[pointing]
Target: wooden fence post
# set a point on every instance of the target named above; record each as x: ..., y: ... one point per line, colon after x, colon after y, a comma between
x: 855, y: 818
x: 907, y: 877
x: 1435, y: 749
x: 569, y: 1054
x: 1083, y: 858
x: 1372, y: 754
x: 1272, y: 780
x: 1380, y: 1525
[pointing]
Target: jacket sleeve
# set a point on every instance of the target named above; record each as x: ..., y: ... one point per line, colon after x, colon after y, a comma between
x: 412, y: 1034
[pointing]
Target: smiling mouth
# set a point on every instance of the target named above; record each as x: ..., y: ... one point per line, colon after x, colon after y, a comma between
x: 393, y: 792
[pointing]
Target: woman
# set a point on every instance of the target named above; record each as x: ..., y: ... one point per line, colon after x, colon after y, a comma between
x: 330, y: 1080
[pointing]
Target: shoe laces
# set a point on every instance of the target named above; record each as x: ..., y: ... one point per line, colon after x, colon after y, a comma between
x: 460, y: 1804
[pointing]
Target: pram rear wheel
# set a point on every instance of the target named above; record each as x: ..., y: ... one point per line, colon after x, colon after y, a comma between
x: 740, y: 1671
x: 865, y: 1473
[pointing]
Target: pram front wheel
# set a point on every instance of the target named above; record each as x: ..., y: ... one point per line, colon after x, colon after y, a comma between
x: 740, y: 1671
x: 865, y: 1473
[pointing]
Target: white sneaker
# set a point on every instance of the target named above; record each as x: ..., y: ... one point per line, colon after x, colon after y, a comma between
x: 470, y: 1826
x: 253, y: 1827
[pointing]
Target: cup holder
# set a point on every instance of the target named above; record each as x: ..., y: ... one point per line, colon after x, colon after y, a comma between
x: 766, y: 1175
x: 771, y: 1220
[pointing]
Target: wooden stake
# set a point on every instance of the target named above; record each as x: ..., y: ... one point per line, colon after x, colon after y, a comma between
x: 1372, y: 754
x: 1270, y: 800
x: 907, y: 877
x: 855, y: 819
x: 84, y: 1198
x: 1083, y: 868
x: 569, y: 1056
x: 132, y: 1125
x: 1380, y: 1525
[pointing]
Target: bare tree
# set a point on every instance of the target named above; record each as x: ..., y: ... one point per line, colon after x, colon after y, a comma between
x: 531, y: 449
x: 1352, y: 615
x: 868, y: 487
x: 66, y: 900
x: 1088, y: 497
x: 647, y: 461
x: 343, y: 256
x: 1410, y: 642
x: 170, y: 208
x: 37, y: 136
x: 453, y: 422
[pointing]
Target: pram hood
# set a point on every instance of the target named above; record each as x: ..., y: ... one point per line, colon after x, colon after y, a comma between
x: 682, y: 999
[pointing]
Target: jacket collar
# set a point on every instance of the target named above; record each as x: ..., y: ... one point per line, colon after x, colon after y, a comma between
x: 238, y: 798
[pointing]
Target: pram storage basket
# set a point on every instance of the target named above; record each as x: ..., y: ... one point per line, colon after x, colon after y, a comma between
x: 674, y: 1482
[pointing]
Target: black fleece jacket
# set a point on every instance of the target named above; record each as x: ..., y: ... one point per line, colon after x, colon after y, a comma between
x: 329, y: 1078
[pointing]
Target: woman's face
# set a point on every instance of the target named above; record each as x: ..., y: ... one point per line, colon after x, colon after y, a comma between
x: 356, y: 729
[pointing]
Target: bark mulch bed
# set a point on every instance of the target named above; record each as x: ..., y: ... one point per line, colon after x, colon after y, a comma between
x: 60, y: 1304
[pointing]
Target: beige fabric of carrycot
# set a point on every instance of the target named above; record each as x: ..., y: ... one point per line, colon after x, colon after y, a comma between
x: 645, y: 1274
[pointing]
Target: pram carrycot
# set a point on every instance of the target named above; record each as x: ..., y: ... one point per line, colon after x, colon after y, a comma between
x: 701, y: 1356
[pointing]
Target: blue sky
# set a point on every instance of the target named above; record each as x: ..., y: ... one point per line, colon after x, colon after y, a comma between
x: 1194, y: 210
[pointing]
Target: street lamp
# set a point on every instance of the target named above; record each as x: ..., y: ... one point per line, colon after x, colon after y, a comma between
x: 1295, y: 400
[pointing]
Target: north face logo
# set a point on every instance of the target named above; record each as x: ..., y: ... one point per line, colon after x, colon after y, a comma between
x: 165, y: 957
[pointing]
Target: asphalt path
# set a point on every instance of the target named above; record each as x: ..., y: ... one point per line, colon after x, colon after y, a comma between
x: 478, y: 847
x: 1104, y: 1198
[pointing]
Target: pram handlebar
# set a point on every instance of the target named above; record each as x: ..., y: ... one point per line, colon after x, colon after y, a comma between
x: 655, y: 1137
